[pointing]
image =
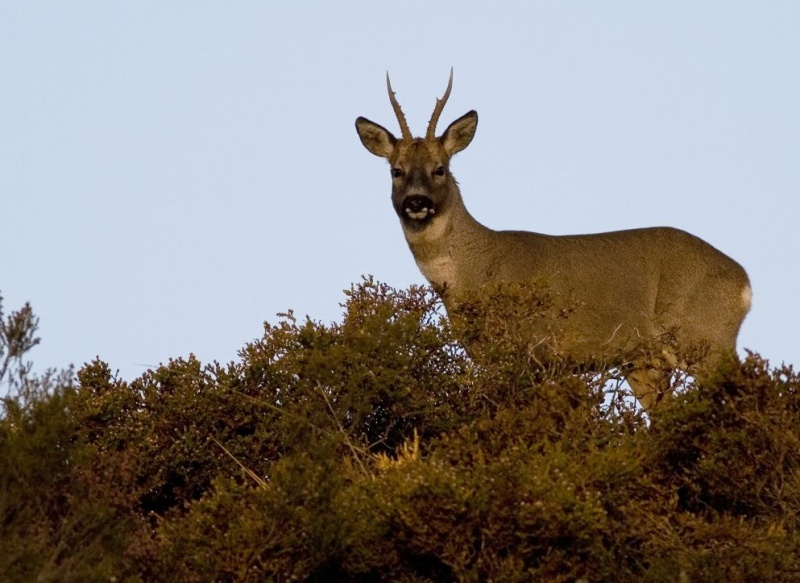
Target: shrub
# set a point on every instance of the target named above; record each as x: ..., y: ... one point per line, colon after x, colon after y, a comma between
x: 375, y: 448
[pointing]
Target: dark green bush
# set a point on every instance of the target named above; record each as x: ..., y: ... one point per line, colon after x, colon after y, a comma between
x: 375, y: 449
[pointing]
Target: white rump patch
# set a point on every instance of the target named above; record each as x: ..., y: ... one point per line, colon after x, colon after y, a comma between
x: 747, y: 297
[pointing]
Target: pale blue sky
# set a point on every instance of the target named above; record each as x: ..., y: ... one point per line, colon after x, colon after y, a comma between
x: 172, y: 174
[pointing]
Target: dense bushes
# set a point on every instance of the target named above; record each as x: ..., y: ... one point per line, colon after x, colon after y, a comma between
x: 376, y: 449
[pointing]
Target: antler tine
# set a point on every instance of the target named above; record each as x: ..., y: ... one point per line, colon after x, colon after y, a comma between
x: 398, y: 112
x: 437, y: 111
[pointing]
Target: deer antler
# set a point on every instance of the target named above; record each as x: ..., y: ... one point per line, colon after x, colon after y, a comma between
x: 437, y: 111
x: 406, y: 133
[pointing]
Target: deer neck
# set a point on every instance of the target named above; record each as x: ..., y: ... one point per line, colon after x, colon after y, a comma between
x: 448, y: 246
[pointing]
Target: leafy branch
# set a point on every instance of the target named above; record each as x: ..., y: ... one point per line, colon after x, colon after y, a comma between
x: 17, y: 337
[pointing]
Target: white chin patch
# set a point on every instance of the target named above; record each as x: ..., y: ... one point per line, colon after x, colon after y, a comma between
x: 421, y: 214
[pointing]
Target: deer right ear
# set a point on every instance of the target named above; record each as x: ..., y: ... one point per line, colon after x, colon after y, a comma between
x: 377, y: 139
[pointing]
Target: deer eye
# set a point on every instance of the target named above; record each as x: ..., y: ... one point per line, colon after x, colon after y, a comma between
x: 397, y: 172
x: 439, y: 171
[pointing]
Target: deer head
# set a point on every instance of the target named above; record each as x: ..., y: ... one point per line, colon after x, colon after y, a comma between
x: 422, y: 186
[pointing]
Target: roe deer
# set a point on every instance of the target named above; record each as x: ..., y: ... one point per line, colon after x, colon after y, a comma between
x: 630, y: 286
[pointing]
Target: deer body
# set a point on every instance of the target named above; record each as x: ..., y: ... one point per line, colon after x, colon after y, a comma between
x: 628, y: 286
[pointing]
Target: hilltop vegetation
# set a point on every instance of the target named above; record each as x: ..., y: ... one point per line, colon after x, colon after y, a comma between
x: 375, y: 449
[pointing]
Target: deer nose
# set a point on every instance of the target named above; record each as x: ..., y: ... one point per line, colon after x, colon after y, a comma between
x: 418, y: 202
x: 418, y: 206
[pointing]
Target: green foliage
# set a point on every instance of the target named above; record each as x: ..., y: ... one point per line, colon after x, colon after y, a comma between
x: 377, y: 449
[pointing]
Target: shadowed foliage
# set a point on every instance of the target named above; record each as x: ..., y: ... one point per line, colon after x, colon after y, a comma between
x: 376, y: 449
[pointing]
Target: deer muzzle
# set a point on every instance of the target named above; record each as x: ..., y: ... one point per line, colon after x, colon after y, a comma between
x: 418, y: 207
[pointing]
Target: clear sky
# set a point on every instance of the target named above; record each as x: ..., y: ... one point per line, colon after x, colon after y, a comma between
x: 172, y: 174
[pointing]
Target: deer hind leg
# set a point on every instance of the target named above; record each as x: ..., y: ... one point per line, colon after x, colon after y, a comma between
x: 650, y: 382
x: 709, y: 367
x: 651, y: 379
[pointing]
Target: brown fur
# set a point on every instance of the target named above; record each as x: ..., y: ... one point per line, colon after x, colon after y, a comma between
x: 631, y: 287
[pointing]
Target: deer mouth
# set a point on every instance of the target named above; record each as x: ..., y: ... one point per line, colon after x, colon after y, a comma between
x: 418, y: 207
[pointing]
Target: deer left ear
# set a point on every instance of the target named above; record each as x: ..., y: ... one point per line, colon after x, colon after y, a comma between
x: 459, y: 134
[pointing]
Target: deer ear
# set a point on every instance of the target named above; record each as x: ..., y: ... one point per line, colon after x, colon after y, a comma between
x: 377, y: 139
x: 459, y: 134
